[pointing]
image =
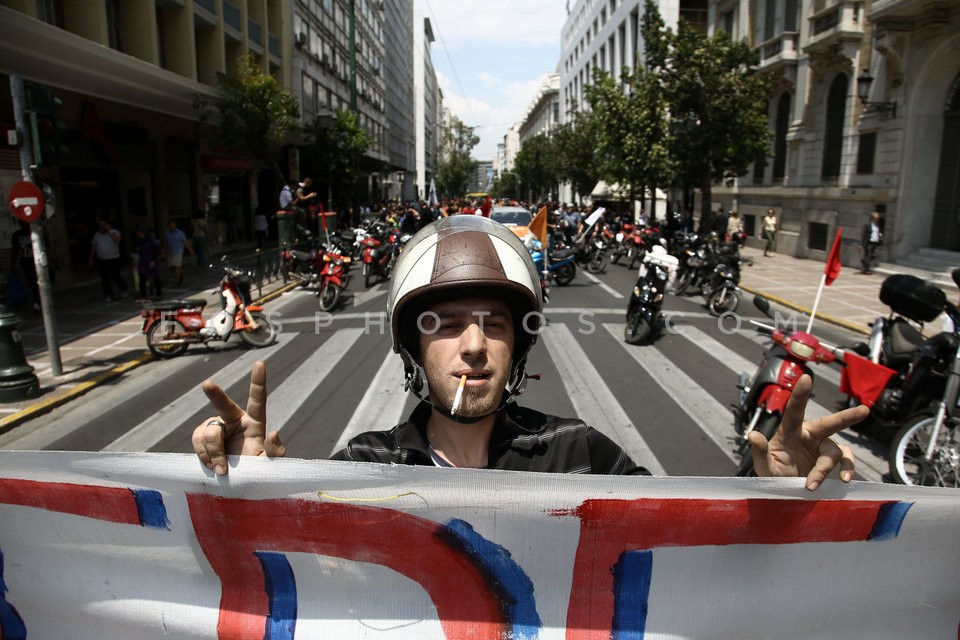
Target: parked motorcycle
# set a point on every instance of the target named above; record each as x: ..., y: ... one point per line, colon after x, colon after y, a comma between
x: 172, y: 326
x: 643, y: 309
x: 926, y: 449
x: 561, y: 266
x: 763, y: 398
x: 302, y: 265
x: 723, y: 287
x: 592, y: 254
x: 334, y: 277
x: 378, y: 252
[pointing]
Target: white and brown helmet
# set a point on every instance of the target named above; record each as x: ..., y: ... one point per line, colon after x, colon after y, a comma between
x: 463, y: 256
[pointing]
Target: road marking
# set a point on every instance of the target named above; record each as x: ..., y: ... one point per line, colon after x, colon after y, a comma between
x: 381, y: 406
x: 367, y: 295
x: 173, y: 416
x: 706, y: 412
x: 592, y: 400
x: 603, y: 285
x: 289, y: 396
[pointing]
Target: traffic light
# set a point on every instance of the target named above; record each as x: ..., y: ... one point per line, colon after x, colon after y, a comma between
x: 44, y: 126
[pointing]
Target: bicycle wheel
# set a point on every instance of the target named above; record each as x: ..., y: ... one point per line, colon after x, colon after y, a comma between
x: 264, y: 335
x: 162, y: 331
x: 908, y: 463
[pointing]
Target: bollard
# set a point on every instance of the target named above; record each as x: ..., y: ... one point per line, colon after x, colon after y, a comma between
x: 17, y: 380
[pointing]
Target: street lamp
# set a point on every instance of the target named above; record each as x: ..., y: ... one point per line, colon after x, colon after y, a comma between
x: 863, y: 92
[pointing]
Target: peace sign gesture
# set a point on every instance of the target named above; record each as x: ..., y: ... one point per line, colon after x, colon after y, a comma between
x: 235, y: 431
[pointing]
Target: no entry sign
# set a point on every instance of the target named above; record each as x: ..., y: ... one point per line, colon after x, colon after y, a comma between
x: 26, y: 201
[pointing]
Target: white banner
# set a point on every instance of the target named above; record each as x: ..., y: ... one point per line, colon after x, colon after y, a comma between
x: 96, y: 545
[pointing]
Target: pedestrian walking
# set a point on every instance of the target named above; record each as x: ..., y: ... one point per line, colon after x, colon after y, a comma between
x: 870, y: 240
x: 174, y: 244
x: 199, y: 238
x: 148, y: 262
x: 770, y: 232
x: 105, y: 251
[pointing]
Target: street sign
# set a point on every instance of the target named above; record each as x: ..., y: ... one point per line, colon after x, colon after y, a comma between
x: 26, y: 201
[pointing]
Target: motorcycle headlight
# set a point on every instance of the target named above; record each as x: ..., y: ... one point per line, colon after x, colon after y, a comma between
x: 801, y: 350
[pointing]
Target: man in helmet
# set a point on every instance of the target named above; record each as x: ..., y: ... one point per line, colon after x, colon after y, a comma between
x: 465, y: 308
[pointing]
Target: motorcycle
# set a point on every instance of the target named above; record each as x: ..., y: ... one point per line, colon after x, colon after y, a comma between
x: 723, y: 287
x: 378, y: 252
x: 646, y: 300
x: 926, y: 449
x: 172, y: 326
x: 334, y: 277
x: 919, y: 366
x: 763, y: 398
x: 302, y: 265
x: 592, y: 254
x: 562, y: 264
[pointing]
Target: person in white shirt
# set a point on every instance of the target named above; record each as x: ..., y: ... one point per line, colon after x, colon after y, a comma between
x: 869, y: 242
x: 105, y: 249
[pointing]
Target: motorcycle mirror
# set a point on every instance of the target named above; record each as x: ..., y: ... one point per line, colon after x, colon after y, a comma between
x: 763, y: 304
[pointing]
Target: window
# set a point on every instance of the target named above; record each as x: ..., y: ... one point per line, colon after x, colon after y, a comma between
x: 866, y: 152
x: 817, y: 236
x: 833, y: 132
x: 770, y: 19
x: 781, y: 126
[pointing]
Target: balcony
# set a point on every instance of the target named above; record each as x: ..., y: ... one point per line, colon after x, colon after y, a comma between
x: 205, y: 13
x: 779, y: 52
x: 909, y: 15
x: 836, y: 29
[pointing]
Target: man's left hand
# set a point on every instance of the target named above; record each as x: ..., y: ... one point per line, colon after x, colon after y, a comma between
x: 802, y: 448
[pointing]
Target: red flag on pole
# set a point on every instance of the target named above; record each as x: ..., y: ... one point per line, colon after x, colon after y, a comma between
x: 323, y: 216
x: 485, y: 207
x: 832, y: 270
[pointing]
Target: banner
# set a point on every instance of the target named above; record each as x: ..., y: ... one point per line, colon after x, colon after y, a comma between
x: 96, y: 545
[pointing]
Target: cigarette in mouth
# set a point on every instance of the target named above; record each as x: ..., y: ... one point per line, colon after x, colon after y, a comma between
x: 458, y: 396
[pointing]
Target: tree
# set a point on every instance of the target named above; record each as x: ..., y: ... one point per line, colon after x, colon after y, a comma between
x: 253, y: 113
x: 456, y: 166
x: 535, y: 164
x: 575, y: 142
x: 336, y: 147
x: 718, y: 106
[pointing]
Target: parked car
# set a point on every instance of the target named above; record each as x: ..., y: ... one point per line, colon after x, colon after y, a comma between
x: 517, y: 218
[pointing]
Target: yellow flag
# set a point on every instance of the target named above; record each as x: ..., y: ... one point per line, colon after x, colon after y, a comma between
x: 538, y: 226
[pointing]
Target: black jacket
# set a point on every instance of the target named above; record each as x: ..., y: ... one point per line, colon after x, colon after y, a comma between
x: 522, y: 440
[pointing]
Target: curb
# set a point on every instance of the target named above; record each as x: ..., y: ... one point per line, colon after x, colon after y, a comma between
x: 49, y: 404
x: 846, y: 324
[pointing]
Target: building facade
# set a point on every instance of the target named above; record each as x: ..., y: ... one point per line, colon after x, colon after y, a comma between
x: 128, y: 76
x: 865, y: 113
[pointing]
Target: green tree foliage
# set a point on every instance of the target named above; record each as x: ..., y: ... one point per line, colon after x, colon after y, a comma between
x: 535, y: 163
x: 252, y: 112
x: 575, y: 142
x: 335, y: 150
x: 719, y: 108
x: 456, y: 166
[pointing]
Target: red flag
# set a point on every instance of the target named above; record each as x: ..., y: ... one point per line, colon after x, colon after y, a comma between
x: 832, y: 270
x: 538, y: 226
x: 323, y: 216
x: 485, y: 207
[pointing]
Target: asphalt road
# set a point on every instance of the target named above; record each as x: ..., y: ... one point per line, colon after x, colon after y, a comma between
x: 333, y: 375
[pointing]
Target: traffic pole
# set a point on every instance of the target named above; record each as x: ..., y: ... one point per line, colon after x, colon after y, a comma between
x: 36, y: 237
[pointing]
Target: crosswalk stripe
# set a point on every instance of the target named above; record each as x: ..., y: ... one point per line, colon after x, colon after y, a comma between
x: 870, y: 465
x: 171, y: 417
x: 382, y: 405
x: 593, y: 401
x: 284, y: 401
x: 712, y: 417
x: 603, y: 285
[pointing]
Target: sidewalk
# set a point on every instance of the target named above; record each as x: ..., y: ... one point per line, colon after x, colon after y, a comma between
x: 99, y: 341
x: 852, y: 301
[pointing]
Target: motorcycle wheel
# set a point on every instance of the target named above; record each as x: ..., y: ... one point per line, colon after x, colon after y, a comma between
x: 638, y: 329
x: 907, y: 463
x: 633, y: 259
x: 367, y: 275
x: 598, y: 262
x: 264, y: 335
x: 329, y: 295
x: 723, y: 301
x: 615, y: 256
x: 165, y: 330
x: 564, y: 275
x: 684, y: 280
x: 767, y: 425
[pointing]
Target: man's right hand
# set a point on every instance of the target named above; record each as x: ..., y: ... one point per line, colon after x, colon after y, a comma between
x: 235, y: 431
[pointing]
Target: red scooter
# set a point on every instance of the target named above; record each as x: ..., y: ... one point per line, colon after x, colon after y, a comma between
x: 172, y: 326
x: 334, y: 277
x: 377, y: 252
x: 763, y: 399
